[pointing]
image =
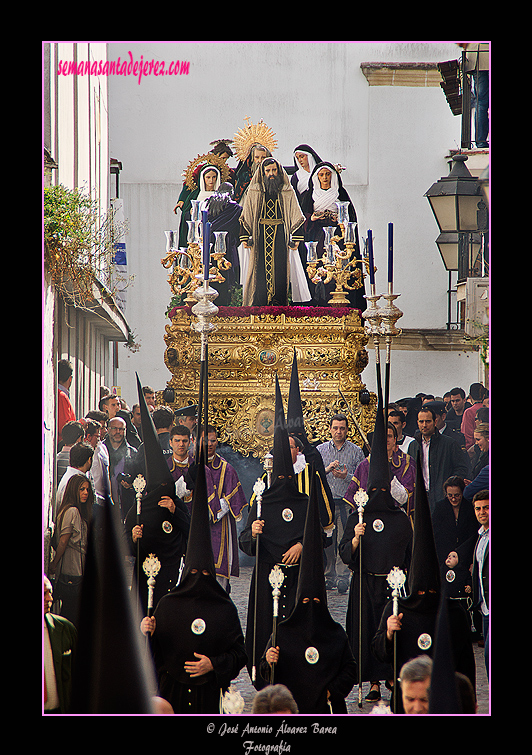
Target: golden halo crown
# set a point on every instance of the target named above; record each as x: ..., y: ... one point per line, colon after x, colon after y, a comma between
x: 212, y: 159
x: 251, y: 134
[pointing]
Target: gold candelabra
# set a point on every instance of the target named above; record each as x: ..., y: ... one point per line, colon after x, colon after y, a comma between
x: 187, y: 263
x: 340, y: 266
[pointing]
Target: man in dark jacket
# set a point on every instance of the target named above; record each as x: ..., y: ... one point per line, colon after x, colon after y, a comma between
x: 480, y: 576
x: 440, y: 457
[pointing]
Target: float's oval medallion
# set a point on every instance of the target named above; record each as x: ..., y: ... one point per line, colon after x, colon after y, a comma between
x: 198, y: 626
x: 424, y: 641
x: 167, y: 527
x: 378, y: 525
x: 288, y: 515
x: 312, y: 655
x: 450, y: 576
x: 267, y: 357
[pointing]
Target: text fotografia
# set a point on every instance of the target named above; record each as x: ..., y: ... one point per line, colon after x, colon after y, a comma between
x: 131, y: 67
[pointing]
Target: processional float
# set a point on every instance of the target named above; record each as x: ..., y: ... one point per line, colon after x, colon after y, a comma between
x: 248, y: 346
x: 251, y: 344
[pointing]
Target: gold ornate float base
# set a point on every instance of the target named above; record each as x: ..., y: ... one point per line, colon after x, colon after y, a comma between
x: 248, y: 347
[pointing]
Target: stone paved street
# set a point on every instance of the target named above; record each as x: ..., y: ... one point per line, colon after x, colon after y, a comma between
x: 338, y: 607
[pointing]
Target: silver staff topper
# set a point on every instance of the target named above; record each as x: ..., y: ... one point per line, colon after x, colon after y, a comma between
x: 139, y: 483
x: 360, y: 499
x: 396, y: 579
x: 276, y: 579
x: 151, y: 568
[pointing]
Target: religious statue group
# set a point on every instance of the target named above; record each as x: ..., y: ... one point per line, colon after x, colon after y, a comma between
x: 270, y: 212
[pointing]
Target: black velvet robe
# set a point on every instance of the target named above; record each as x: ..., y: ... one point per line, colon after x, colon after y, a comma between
x: 279, y: 534
x: 417, y: 635
x: 381, y: 550
x: 197, y: 617
x: 331, y: 670
x: 165, y: 535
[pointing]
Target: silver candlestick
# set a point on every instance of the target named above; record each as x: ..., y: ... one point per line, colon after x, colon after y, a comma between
x: 389, y: 316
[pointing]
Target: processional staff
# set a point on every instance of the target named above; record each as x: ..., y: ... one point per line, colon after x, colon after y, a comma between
x: 276, y: 579
x: 204, y: 310
x: 151, y: 568
x: 139, y: 483
x: 258, y: 490
x: 360, y: 500
x: 396, y: 579
x: 268, y: 466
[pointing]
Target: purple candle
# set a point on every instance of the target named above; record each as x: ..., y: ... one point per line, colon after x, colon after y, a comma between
x: 370, y: 253
x: 390, y: 252
x: 206, y: 244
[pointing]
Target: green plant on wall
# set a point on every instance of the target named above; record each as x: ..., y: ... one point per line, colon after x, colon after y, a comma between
x: 78, y: 244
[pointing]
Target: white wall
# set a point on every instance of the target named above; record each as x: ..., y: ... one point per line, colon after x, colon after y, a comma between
x: 392, y: 140
x: 413, y: 372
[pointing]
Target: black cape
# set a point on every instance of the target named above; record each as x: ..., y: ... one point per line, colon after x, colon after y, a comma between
x: 224, y: 215
x: 387, y: 542
x: 421, y: 604
x: 164, y: 534
x: 197, y: 616
x: 315, y: 659
x: 296, y: 426
x: 283, y: 510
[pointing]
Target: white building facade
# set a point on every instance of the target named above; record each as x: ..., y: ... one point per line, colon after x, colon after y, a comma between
x: 76, y: 155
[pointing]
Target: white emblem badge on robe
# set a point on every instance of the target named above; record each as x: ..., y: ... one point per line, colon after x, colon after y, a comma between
x: 378, y: 525
x: 450, y: 576
x: 424, y: 641
x: 167, y: 527
x: 288, y: 515
x: 312, y: 655
x: 198, y: 626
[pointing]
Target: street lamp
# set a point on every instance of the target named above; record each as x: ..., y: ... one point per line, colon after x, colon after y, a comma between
x: 449, y: 245
x: 454, y: 199
x: 456, y: 202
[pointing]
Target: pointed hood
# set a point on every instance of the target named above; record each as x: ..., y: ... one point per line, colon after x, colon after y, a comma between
x: 296, y: 426
x: 283, y: 469
x: 158, y: 477
x: 198, y: 610
x: 311, y: 581
x: 378, y: 485
x: 379, y: 466
x: 112, y: 674
x: 295, y: 422
x: 424, y: 572
x: 388, y: 535
x: 284, y: 507
x: 199, y: 549
x: 444, y: 698
x: 313, y: 645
